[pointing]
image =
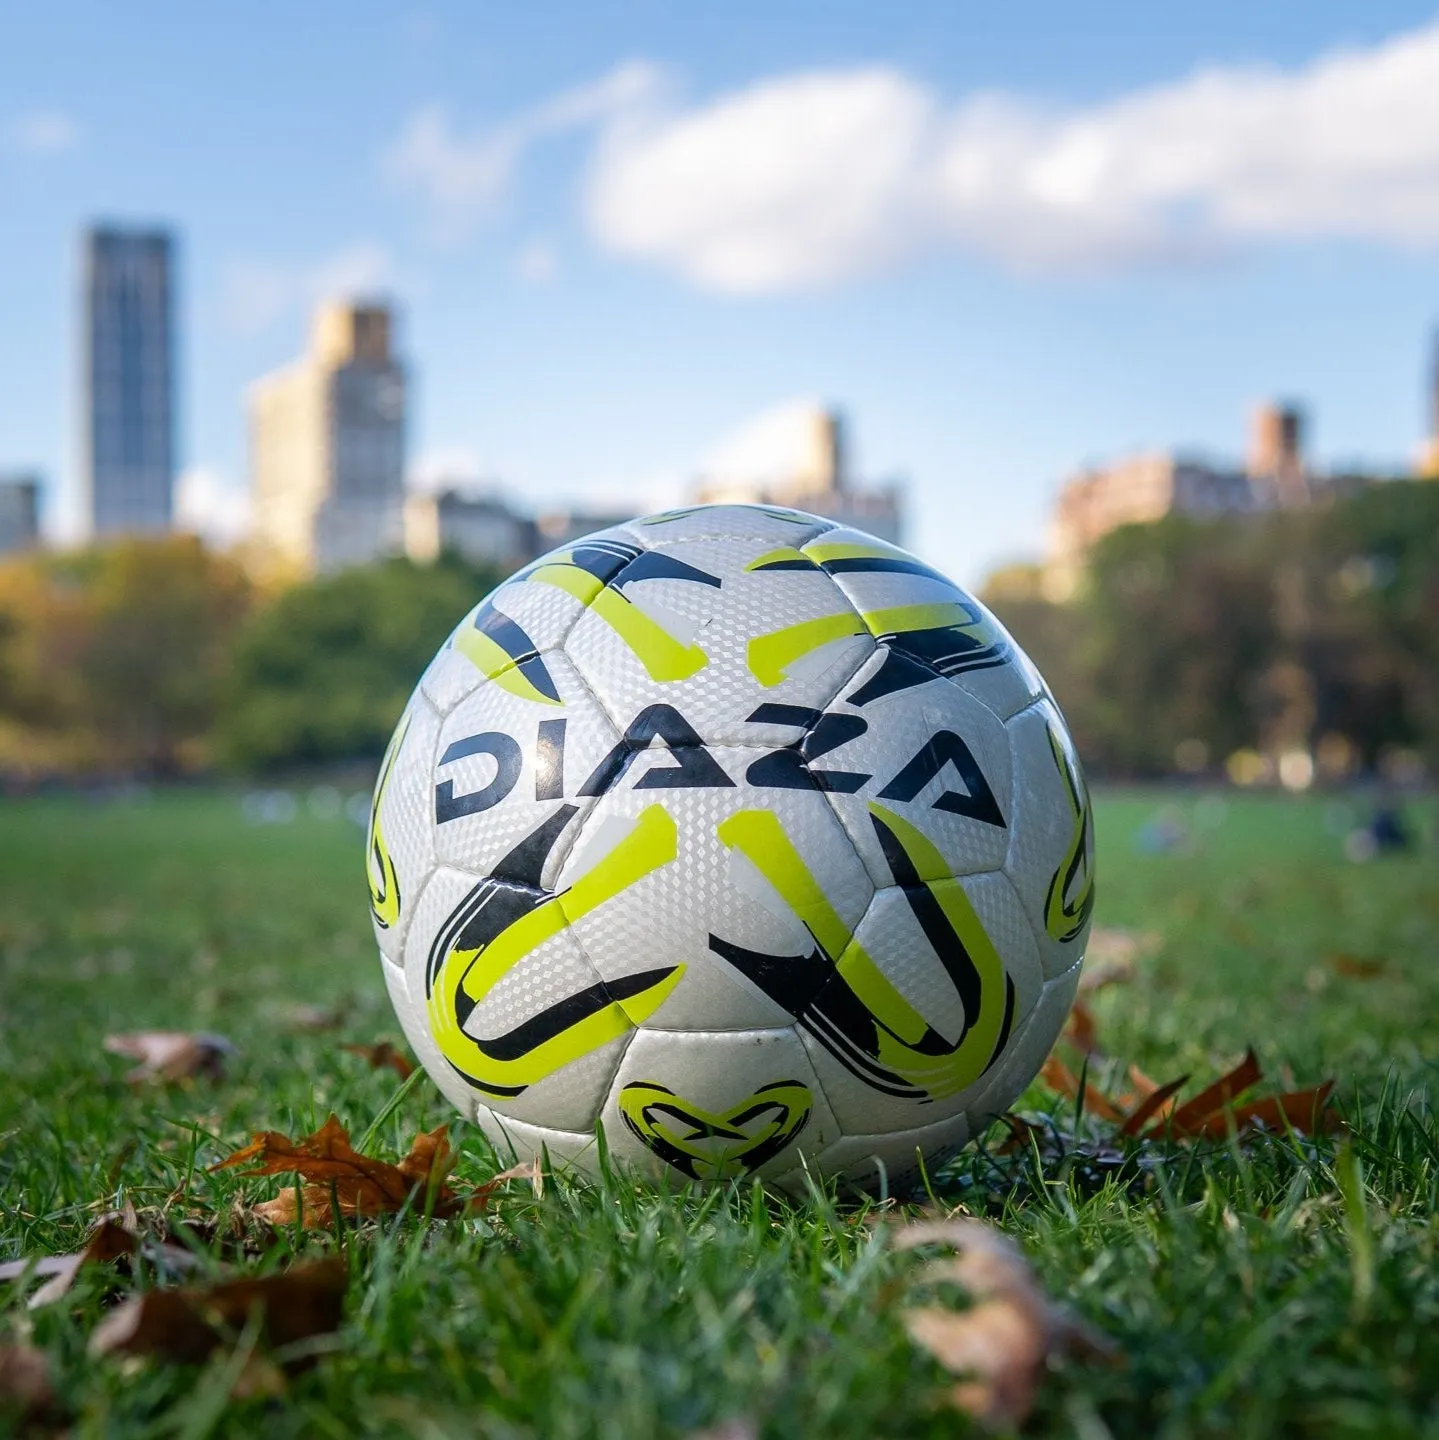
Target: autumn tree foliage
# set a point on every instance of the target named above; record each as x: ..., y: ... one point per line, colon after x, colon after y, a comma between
x: 112, y: 659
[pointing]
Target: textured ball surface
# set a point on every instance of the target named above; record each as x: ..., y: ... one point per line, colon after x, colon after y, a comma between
x: 747, y: 837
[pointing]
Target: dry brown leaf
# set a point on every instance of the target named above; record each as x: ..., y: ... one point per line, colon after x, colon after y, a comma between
x: 1080, y: 1029
x: 335, y: 1172
x: 1213, y: 1099
x: 1358, y: 967
x: 1304, y: 1110
x: 1058, y: 1076
x: 26, y: 1395
x: 1208, y: 1116
x: 383, y: 1054
x: 1001, y: 1343
x: 112, y: 1237
x: 1156, y: 1104
x: 479, y: 1197
x: 338, y: 1174
x: 170, y: 1055
x: 186, y: 1326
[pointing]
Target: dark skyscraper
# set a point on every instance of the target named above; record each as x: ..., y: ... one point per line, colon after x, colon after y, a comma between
x: 129, y: 379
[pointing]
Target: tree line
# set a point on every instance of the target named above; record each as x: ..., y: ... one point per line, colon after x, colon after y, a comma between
x: 1311, y: 632
x: 159, y: 658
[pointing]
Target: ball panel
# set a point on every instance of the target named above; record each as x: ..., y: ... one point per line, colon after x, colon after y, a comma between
x: 735, y: 864
x: 769, y: 524
x: 691, y: 624
x: 963, y: 964
x: 1030, y: 1046
x: 512, y: 1011
x: 919, y: 614
x: 505, y: 763
x: 930, y: 753
x: 533, y: 1014
x: 1005, y: 689
x: 399, y: 842
x: 1051, y: 846
x: 417, y: 1032
x: 517, y: 1142
x: 895, y: 1163
x: 716, y: 1107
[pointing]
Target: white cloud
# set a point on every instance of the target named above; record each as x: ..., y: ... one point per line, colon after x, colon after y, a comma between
x: 257, y: 295
x: 809, y: 179
x: 208, y: 505
x: 801, y: 180
x: 463, y: 176
x: 43, y: 132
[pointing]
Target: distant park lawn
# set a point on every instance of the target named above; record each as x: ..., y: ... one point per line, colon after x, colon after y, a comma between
x: 1250, y: 1292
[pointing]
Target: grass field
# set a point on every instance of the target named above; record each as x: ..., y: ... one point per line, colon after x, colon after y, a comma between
x: 1251, y: 1292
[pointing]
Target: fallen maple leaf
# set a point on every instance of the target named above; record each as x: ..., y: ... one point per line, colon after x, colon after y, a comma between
x: 169, y: 1055
x: 26, y: 1395
x: 1001, y: 1343
x: 1304, y: 1110
x: 381, y: 1054
x: 1212, y: 1100
x: 186, y: 1326
x: 1208, y: 1116
x: 336, y: 1173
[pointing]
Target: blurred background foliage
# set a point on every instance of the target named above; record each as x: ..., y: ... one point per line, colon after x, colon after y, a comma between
x: 322, y: 672
x: 1189, y: 643
x: 1312, y: 631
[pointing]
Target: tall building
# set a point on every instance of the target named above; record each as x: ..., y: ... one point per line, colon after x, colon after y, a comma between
x: 327, y: 447
x: 796, y: 456
x: 19, y: 513
x: 1275, y: 463
x: 129, y: 379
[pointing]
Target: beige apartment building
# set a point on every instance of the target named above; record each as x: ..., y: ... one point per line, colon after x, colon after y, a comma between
x: 1135, y: 491
x: 327, y: 448
x: 1143, y: 488
x: 795, y: 456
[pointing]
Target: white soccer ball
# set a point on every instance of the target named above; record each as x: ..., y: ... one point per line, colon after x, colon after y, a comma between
x: 746, y: 838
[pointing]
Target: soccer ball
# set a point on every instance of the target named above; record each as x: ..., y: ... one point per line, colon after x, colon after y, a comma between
x: 738, y: 841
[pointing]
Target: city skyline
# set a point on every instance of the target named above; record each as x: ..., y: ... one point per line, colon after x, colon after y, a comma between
x: 586, y: 318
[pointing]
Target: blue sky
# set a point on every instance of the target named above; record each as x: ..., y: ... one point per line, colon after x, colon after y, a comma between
x: 1006, y: 239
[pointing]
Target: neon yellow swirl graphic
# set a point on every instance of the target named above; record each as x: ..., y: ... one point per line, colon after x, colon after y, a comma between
x: 498, y: 925
x: 379, y: 868
x: 865, y: 1022
x: 1070, y: 900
